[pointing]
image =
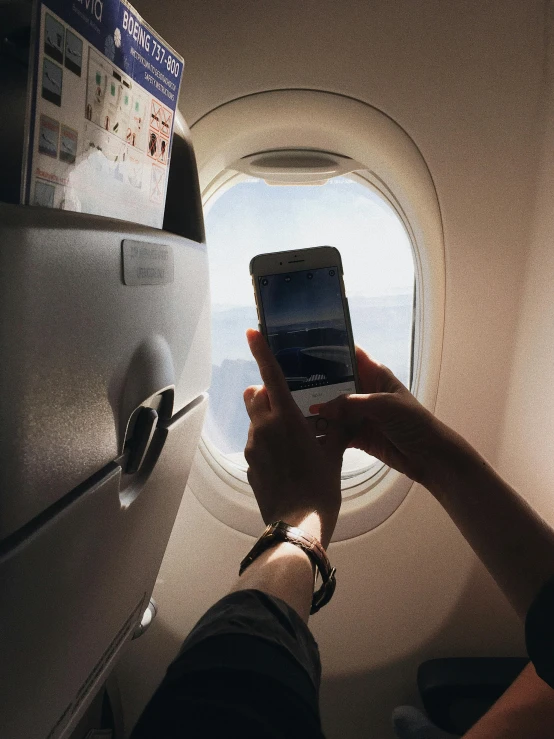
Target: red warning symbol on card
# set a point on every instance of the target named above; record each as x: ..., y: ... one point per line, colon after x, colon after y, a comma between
x: 157, y: 179
x: 154, y: 144
x: 160, y: 118
x: 165, y: 126
x: 155, y: 115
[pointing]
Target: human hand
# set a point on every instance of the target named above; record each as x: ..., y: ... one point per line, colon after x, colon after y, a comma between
x: 387, y: 422
x: 294, y: 475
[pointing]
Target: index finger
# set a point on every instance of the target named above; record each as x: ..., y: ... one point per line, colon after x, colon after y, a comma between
x: 272, y: 374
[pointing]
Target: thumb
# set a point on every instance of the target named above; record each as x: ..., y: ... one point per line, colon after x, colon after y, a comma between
x: 347, y: 409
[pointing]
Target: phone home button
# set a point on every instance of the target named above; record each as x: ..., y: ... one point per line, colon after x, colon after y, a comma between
x: 321, y: 425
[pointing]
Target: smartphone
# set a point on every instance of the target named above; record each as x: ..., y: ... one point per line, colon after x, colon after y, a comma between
x: 303, y: 313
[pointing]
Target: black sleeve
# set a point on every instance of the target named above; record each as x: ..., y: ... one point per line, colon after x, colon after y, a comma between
x: 249, y: 668
x: 539, y: 633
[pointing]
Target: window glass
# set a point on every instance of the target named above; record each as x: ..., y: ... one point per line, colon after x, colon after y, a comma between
x: 253, y: 218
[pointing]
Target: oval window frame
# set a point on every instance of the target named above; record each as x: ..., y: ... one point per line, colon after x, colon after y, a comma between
x: 395, y: 168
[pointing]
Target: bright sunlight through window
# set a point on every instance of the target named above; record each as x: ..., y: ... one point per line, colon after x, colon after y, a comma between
x: 253, y: 218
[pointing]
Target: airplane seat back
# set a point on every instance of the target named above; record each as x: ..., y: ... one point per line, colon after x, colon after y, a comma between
x: 103, y: 382
x: 14, y: 51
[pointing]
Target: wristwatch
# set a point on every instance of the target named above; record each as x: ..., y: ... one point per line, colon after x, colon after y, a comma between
x: 278, y: 532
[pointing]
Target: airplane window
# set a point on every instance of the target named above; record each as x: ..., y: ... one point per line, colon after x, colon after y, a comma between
x: 252, y: 218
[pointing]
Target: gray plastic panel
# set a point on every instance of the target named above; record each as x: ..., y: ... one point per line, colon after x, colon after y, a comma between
x: 77, y: 587
x: 80, y: 350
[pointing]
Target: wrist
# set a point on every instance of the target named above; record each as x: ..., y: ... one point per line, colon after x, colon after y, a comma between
x: 281, y: 555
x: 319, y: 524
x: 284, y: 560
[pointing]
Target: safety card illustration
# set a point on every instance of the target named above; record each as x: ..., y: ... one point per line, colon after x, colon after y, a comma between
x: 101, y: 111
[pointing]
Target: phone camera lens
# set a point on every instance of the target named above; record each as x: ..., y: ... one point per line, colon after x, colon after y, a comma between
x: 309, y: 275
x: 331, y: 273
x: 265, y: 282
x: 287, y: 278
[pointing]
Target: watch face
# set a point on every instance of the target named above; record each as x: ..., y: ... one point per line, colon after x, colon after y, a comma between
x: 271, y: 533
x: 268, y: 536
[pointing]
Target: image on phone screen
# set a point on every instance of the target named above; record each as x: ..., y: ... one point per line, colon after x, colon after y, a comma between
x: 307, y: 332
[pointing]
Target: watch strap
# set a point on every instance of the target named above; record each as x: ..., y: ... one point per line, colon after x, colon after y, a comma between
x: 280, y: 531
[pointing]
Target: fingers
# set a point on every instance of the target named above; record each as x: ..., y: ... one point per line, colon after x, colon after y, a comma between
x: 335, y: 441
x: 363, y: 356
x: 256, y: 401
x: 272, y: 375
x: 368, y: 369
x: 354, y: 408
x: 374, y: 377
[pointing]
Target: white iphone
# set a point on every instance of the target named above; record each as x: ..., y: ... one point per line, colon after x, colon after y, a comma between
x: 303, y: 313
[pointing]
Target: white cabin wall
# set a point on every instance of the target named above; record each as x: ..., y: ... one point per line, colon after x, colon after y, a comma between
x: 464, y: 79
x: 527, y: 452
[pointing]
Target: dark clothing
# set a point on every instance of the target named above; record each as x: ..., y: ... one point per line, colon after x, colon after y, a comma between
x: 539, y: 633
x: 250, y: 668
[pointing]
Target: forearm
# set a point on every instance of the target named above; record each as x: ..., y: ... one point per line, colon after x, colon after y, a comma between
x: 286, y: 571
x: 526, y: 709
x: 513, y: 542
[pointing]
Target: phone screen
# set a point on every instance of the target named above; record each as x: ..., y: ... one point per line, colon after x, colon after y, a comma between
x: 307, y: 332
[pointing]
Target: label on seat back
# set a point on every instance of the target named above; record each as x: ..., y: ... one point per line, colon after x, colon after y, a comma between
x: 146, y: 264
x: 101, y: 111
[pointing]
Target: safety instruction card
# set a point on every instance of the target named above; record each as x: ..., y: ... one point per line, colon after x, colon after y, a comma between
x: 101, y: 111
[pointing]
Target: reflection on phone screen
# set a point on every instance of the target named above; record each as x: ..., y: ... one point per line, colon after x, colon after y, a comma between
x: 307, y: 332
